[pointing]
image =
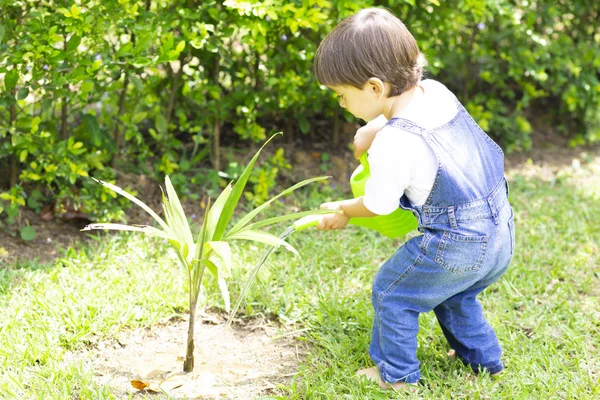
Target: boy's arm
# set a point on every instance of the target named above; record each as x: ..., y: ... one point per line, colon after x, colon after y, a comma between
x: 352, y: 208
x: 366, y: 134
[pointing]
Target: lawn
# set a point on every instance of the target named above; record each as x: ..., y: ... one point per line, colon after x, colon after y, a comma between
x: 546, y: 309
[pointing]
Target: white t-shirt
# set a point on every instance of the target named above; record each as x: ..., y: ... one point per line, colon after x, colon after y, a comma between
x: 402, y: 162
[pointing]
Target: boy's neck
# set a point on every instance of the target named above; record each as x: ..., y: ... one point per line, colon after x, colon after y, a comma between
x: 397, y: 105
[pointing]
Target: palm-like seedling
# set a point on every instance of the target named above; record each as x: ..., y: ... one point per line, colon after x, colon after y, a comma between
x: 211, y: 248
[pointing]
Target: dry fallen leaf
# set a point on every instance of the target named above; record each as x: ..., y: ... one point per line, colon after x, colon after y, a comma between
x: 173, y: 382
x: 149, y: 386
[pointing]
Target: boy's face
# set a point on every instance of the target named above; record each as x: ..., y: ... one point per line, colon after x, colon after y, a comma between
x: 362, y: 103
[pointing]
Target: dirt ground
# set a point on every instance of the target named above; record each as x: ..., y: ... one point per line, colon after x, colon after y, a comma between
x: 241, y: 362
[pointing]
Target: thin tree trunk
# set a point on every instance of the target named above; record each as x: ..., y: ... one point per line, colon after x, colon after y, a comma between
x: 63, y: 115
x: 65, y: 104
x: 175, y: 83
x: 216, y: 134
x: 289, y: 130
x: 216, y: 145
x: 337, y: 126
x: 12, y: 164
x: 118, y: 133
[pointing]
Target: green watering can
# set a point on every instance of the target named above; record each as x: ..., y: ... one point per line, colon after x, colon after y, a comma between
x: 393, y: 225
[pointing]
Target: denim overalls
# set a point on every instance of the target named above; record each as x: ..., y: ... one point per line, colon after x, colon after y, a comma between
x: 467, y: 244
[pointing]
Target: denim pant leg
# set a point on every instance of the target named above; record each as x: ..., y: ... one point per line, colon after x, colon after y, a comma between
x: 468, y: 332
x: 393, y: 345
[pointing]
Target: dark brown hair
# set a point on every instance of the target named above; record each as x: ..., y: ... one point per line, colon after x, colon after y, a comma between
x: 370, y: 43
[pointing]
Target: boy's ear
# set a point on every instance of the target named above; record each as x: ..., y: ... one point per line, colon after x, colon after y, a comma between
x: 376, y: 86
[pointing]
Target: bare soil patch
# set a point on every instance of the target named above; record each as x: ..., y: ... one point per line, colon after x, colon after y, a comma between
x: 241, y: 362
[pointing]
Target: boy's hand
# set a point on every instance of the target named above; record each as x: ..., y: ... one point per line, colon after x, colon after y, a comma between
x: 363, y: 139
x: 365, y: 135
x: 330, y: 222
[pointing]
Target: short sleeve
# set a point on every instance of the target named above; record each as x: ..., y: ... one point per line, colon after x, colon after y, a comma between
x: 391, y: 167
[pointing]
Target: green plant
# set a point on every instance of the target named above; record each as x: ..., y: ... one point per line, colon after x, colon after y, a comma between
x: 211, y: 247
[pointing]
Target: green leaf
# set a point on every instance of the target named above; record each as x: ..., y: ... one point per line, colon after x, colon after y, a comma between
x: 248, y: 217
x: 138, y: 117
x: 23, y: 93
x: 223, y: 250
x: 236, y: 193
x: 161, y: 123
x: 182, y: 229
x: 2, y: 32
x: 87, y: 86
x: 23, y: 155
x: 202, y: 237
x: 264, y: 237
x: 136, y: 201
x: 124, y: 49
x: 220, y: 281
x: 215, y: 211
x: 75, y: 11
x: 73, y: 43
x: 150, y: 230
x: 11, y: 78
x: 282, y: 218
x: 304, y: 126
x: 180, y: 46
x: 92, y: 129
x: 141, y: 62
x: 27, y: 233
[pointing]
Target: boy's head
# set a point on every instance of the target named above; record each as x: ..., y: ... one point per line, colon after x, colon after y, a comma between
x: 372, y: 43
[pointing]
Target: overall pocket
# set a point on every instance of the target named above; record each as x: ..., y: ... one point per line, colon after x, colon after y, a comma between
x: 460, y: 253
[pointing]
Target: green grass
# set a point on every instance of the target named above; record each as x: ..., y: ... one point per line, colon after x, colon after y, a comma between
x: 546, y: 309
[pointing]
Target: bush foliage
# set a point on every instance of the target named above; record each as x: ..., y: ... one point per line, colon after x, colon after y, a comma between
x: 91, y: 87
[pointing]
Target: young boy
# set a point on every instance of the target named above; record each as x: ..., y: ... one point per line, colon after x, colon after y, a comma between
x: 429, y: 156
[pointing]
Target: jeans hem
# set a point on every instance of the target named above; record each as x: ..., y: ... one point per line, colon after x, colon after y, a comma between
x: 413, y: 377
x: 478, y: 368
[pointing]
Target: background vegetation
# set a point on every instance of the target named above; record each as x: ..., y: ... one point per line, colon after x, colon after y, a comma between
x: 154, y: 87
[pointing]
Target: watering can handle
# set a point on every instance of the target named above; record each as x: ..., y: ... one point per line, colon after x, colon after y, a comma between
x: 364, y: 162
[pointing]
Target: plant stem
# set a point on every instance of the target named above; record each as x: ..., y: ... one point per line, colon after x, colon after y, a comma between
x: 194, y: 287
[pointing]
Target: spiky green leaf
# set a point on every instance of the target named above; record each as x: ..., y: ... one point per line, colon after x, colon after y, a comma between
x: 215, y: 211
x: 263, y: 237
x: 220, y: 281
x: 248, y: 217
x: 282, y: 218
x: 181, y: 227
x: 150, y: 230
x: 236, y: 193
x: 222, y: 250
x: 132, y: 198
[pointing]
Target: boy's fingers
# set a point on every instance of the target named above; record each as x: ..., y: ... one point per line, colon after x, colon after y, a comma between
x: 321, y: 225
